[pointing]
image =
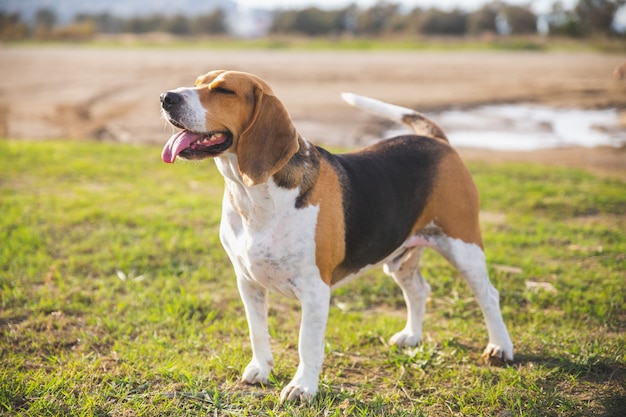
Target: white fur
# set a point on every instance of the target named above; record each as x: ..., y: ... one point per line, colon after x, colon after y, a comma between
x: 192, y: 113
x: 415, y: 290
x: 272, y: 247
x: 469, y: 260
x: 378, y: 107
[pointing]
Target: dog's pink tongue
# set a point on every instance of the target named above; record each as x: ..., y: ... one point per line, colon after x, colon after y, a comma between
x: 176, y: 144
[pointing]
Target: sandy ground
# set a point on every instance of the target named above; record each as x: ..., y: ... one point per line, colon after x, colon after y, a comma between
x: 113, y: 94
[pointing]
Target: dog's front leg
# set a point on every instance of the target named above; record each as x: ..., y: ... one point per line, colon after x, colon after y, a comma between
x: 254, y: 299
x: 315, y: 300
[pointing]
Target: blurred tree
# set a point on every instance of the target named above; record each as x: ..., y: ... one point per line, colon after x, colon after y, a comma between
x: 410, y: 23
x: 283, y: 21
x: 75, y: 32
x: 12, y: 27
x: 596, y: 16
x: 178, y: 25
x: 312, y: 21
x: 160, y: 23
x: 348, y: 18
x: 438, y: 22
x: 212, y: 24
x: 104, y: 22
x: 483, y: 20
x: 45, y: 19
x: 315, y: 21
x: 517, y: 20
x: 377, y: 18
x: 563, y: 22
x: 138, y: 25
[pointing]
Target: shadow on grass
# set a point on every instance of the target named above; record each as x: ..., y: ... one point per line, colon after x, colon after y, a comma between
x: 593, y: 369
x: 598, y: 379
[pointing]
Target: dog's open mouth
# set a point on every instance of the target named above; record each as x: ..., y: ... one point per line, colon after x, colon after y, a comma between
x: 192, y: 145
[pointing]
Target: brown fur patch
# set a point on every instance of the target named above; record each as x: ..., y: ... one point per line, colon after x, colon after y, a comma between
x: 454, y: 205
x: 263, y: 134
x: 269, y: 141
x: 424, y: 126
x: 330, y: 229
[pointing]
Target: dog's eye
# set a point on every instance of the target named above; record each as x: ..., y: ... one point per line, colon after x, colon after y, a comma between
x: 223, y: 90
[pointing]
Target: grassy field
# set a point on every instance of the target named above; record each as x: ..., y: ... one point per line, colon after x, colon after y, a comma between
x: 398, y: 43
x: 118, y: 300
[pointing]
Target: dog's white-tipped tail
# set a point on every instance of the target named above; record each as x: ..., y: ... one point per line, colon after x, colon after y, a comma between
x: 420, y: 123
x: 380, y: 108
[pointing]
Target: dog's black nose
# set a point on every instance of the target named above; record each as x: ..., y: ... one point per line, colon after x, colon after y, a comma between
x: 170, y: 100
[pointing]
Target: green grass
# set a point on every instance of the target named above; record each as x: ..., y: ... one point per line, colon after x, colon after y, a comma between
x: 342, y: 43
x: 116, y: 299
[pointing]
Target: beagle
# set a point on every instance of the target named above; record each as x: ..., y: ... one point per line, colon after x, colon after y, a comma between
x: 299, y: 220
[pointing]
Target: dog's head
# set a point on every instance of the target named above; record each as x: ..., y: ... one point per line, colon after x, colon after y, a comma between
x: 230, y: 111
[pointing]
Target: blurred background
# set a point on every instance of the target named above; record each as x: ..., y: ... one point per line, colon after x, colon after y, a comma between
x: 498, y: 75
x: 117, y: 299
x: 257, y: 18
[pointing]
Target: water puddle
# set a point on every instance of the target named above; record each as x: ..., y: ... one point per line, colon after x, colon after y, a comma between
x: 526, y: 127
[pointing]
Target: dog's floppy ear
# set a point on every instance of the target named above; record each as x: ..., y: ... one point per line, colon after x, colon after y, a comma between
x: 268, y: 142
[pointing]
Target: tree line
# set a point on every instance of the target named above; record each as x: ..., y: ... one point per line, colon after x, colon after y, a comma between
x: 586, y: 18
x: 85, y: 26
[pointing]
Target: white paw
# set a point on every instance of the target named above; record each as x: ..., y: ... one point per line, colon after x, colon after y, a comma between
x: 497, y: 354
x: 298, y: 391
x: 406, y: 338
x: 256, y: 374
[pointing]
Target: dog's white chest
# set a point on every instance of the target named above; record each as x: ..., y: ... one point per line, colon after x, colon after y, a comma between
x: 273, y: 243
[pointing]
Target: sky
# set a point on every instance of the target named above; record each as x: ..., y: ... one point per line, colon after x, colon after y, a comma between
x: 537, y: 6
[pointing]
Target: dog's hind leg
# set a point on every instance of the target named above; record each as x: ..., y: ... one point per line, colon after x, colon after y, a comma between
x: 404, y: 270
x: 469, y: 260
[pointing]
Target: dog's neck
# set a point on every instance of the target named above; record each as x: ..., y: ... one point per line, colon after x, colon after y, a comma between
x: 287, y: 187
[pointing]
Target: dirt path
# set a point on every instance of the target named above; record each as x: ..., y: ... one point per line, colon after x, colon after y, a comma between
x: 112, y: 94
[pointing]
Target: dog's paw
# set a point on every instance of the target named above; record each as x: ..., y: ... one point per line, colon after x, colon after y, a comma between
x: 298, y: 391
x: 255, y: 374
x: 497, y: 355
x: 406, y: 338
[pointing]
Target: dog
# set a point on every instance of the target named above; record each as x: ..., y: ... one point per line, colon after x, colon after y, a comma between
x: 299, y: 220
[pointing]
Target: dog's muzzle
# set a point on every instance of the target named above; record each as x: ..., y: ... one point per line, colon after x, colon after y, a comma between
x: 170, y: 100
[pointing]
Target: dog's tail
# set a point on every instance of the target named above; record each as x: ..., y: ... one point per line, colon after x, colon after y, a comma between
x: 417, y: 121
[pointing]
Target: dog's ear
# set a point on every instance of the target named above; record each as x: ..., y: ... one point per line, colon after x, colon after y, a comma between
x: 269, y: 141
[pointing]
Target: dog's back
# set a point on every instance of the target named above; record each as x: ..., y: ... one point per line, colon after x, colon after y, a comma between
x: 386, y: 188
